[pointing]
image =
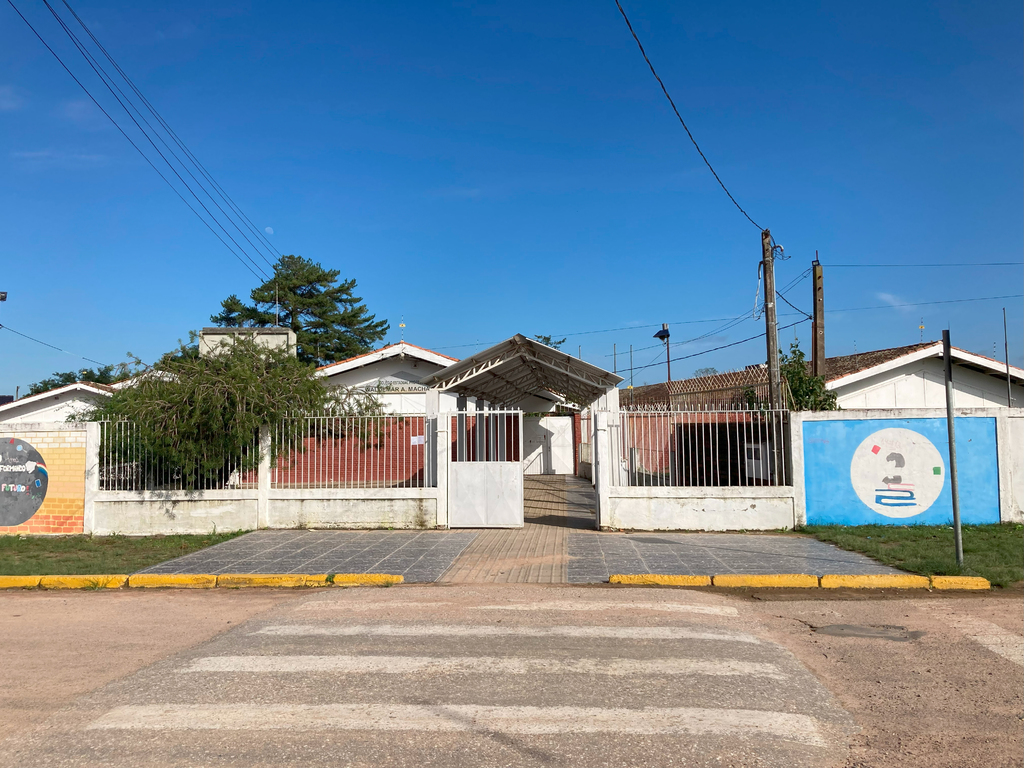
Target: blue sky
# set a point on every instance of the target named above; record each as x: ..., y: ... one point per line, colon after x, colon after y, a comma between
x: 484, y: 169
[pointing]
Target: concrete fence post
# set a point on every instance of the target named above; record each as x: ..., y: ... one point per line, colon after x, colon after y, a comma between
x: 796, y: 453
x: 92, y: 474
x: 602, y: 468
x: 263, y: 480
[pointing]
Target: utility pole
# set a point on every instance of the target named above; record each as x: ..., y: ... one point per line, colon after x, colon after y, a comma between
x: 947, y: 358
x: 615, y: 359
x: 771, y: 320
x: 818, y: 343
x: 1006, y: 353
x: 663, y: 334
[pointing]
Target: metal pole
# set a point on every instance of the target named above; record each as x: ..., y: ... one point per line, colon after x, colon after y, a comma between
x: 630, y: 374
x: 615, y: 360
x: 818, y: 343
x: 948, y: 360
x: 1006, y: 354
x: 771, y: 320
x: 668, y: 359
x: 580, y: 354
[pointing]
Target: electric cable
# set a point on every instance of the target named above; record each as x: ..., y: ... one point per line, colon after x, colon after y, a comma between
x: 681, y: 121
x: 102, y: 74
x: 724, y: 346
x: 51, y: 346
x: 952, y: 264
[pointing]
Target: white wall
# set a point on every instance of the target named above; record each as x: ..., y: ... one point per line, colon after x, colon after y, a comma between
x: 922, y: 385
x: 701, y: 509
x: 51, y: 409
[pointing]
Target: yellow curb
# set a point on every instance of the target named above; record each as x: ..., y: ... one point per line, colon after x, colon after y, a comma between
x: 92, y: 581
x: 654, y: 578
x: 960, y: 582
x: 19, y: 582
x: 367, y: 578
x: 261, y: 580
x: 179, y: 580
x: 876, y: 581
x: 765, y: 580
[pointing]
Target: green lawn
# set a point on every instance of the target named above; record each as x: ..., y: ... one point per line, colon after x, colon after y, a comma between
x: 995, y: 552
x: 70, y: 555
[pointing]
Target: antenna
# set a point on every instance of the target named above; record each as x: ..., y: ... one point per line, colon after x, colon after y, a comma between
x: 921, y: 329
x: 401, y: 326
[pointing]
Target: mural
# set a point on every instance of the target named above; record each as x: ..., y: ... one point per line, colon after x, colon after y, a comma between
x: 893, y: 471
x: 23, y: 481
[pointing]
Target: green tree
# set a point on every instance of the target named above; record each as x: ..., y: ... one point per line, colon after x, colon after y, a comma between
x: 195, y: 416
x: 704, y: 372
x: 807, y: 392
x: 548, y: 341
x: 330, y: 323
x: 106, y: 374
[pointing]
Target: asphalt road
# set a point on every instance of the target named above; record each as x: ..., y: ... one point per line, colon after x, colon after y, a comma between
x: 508, y: 675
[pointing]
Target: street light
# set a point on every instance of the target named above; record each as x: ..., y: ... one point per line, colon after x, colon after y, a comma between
x: 663, y: 334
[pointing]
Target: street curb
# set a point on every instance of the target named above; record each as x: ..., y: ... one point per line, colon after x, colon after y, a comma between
x: 91, y: 581
x: 656, y: 578
x: 767, y: 580
x: 177, y: 580
x: 960, y: 582
x: 876, y: 581
x: 806, y: 581
x: 200, y: 580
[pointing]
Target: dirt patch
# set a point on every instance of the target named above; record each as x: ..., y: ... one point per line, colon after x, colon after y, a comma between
x: 935, y: 699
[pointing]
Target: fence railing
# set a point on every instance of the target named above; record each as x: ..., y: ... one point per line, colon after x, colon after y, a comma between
x: 326, y: 451
x: 126, y: 465
x: 486, y: 435
x: 702, y: 448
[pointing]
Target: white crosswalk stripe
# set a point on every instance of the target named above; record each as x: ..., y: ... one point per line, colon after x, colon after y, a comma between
x: 486, y: 630
x: 401, y: 665
x: 453, y: 718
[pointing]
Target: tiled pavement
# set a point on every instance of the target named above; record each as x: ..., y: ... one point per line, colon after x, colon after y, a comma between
x: 557, y: 545
x: 416, y: 555
x: 593, y: 556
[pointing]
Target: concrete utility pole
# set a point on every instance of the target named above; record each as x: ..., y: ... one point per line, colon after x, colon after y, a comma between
x: 818, y: 342
x: 771, y: 320
x: 947, y: 358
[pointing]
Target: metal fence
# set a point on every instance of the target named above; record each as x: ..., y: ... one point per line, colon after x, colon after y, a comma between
x: 126, y: 465
x: 328, y: 451
x: 486, y: 436
x: 703, y: 448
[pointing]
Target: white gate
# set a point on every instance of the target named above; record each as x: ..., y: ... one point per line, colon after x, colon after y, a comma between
x: 548, y: 444
x: 485, y: 474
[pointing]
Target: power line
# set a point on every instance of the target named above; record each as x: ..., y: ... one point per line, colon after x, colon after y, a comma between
x: 130, y: 140
x: 724, y: 346
x: 110, y: 86
x: 681, y: 121
x: 781, y: 296
x: 51, y: 346
x: 928, y: 303
x: 261, y: 239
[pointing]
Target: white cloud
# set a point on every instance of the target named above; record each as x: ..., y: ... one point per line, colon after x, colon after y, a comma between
x: 893, y: 301
x: 9, y: 100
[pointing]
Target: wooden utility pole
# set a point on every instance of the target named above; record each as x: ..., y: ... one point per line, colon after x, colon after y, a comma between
x: 818, y: 343
x: 771, y: 321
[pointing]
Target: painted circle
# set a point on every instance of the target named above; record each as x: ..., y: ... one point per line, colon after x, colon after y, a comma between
x: 23, y: 481
x: 897, y: 472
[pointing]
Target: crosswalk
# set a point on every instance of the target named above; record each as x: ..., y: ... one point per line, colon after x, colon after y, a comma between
x: 402, y: 678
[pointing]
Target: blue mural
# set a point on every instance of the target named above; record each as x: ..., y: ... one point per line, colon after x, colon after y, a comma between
x: 894, y: 471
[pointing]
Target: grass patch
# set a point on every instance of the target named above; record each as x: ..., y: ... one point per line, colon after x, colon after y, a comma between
x: 76, y: 555
x: 995, y: 552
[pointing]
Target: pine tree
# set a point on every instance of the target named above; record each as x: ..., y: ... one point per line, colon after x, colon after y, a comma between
x: 330, y: 323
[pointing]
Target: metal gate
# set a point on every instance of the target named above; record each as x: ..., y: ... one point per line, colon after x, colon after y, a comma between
x: 548, y: 443
x: 485, y: 475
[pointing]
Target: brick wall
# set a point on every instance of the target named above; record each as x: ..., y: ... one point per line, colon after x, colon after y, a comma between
x: 63, y: 509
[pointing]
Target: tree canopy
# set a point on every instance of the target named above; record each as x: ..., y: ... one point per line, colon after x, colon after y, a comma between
x: 550, y: 342
x: 330, y: 323
x: 808, y: 392
x: 106, y: 374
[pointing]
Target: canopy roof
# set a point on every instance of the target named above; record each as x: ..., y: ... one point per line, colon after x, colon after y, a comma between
x: 520, y: 367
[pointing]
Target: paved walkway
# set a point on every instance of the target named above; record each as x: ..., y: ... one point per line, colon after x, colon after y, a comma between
x: 537, y: 553
x: 557, y: 545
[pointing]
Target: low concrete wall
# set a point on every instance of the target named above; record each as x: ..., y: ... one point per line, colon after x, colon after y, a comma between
x: 701, y: 509
x: 139, y: 514
x: 1011, y: 457
x: 369, y: 508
